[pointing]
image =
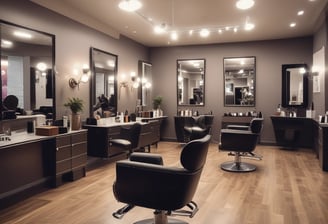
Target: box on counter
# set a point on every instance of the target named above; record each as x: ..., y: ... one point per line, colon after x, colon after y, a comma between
x: 47, y: 130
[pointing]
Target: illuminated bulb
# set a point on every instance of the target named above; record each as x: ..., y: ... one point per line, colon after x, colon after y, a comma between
x: 41, y: 66
x: 299, y: 13
x: 204, y: 33
x: 135, y: 85
x: 292, y: 24
x: 249, y: 26
x: 148, y: 85
x: 245, y: 4
x: 22, y: 34
x: 130, y: 5
x: 191, y: 32
x: 174, y: 36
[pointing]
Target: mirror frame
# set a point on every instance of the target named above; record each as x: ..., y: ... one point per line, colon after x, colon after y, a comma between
x: 254, y: 83
x: 93, y: 97
x: 285, y: 86
x: 53, y: 67
x: 177, y: 82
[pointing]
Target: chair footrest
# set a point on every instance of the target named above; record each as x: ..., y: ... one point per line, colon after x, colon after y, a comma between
x: 122, y: 211
x: 190, y: 213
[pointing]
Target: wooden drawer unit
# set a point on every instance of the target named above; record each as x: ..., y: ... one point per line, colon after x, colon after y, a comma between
x: 70, y: 157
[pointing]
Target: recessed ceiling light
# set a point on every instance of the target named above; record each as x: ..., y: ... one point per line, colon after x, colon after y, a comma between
x: 301, y: 12
x: 159, y: 29
x: 6, y: 43
x: 245, y: 4
x: 204, y: 33
x: 130, y: 5
x: 292, y: 24
x: 174, y: 35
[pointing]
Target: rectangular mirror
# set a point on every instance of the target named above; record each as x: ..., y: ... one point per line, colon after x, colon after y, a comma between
x: 294, y: 85
x: 27, y: 69
x: 103, y: 83
x: 144, y: 90
x: 239, y: 81
x: 191, y: 82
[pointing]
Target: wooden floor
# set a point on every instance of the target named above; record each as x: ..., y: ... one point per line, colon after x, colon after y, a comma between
x: 287, y: 187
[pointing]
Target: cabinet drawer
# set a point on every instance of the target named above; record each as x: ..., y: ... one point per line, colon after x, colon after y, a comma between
x: 79, y: 161
x: 81, y: 137
x: 79, y: 148
x: 63, y: 152
x: 63, y: 166
x: 63, y: 141
x: 114, y: 132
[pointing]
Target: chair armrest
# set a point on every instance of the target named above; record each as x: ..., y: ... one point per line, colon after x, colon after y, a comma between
x: 238, y: 127
x: 146, y: 158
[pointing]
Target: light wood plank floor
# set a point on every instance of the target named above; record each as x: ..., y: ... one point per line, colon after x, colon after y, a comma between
x: 287, y: 188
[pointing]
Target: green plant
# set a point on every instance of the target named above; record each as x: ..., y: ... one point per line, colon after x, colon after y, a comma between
x: 75, y: 104
x: 157, y: 101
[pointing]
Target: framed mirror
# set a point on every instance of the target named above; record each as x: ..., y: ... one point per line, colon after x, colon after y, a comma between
x: 103, y: 83
x: 239, y: 81
x: 144, y: 90
x: 191, y: 82
x: 27, y: 69
x: 294, y: 85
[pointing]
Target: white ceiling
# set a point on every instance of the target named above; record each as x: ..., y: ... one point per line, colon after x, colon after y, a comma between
x: 270, y: 17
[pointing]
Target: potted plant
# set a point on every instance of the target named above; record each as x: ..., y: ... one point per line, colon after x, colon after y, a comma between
x: 157, y: 101
x: 76, y: 106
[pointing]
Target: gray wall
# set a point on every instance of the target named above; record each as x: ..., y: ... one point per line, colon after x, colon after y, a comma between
x: 270, y: 55
x: 73, y: 41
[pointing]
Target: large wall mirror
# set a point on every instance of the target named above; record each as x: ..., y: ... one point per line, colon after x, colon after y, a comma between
x: 103, y: 83
x: 239, y: 81
x: 144, y: 90
x: 191, y: 82
x: 27, y: 69
x: 294, y: 85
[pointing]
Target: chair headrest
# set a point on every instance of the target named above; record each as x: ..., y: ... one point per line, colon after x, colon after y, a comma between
x: 256, y: 125
x: 193, y: 155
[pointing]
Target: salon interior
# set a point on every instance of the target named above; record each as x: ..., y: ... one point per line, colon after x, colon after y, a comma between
x: 177, y: 111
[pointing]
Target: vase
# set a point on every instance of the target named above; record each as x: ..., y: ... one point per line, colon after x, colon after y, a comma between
x: 76, y: 122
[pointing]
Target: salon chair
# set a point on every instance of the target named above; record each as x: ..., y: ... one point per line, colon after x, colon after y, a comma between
x: 200, y: 127
x: 144, y: 181
x: 129, y: 138
x: 241, y: 141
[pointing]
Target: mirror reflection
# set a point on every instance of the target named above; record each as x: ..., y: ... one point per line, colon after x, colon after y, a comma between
x: 239, y: 81
x: 27, y: 61
x: 144, y: 91
x: 294, y: 80
x: 104, y: 83
x: 191, y: 82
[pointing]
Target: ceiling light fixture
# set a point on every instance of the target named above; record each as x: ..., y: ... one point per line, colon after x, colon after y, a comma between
x: 130, y: 5
x: 22, y: 35
x: 292, y: 24
x: 245, y: 4
x: 301, y: 12
x: 204, y: 33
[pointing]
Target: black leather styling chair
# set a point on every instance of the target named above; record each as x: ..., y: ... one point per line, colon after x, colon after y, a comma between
x: 241, y: 141
x: 129, y: 138
x: 144, y: 181
x: 200, y: 127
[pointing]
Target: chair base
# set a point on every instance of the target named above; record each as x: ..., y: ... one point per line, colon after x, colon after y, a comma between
x: 238, y: 167
x: 160, y: 217
x: 169, y: 221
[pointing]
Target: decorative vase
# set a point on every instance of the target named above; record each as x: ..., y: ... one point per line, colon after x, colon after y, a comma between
x: 76, y: 122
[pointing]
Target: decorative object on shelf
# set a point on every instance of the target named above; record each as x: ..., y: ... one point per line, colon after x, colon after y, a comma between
x: 157, y: 101
x: 76, y: 106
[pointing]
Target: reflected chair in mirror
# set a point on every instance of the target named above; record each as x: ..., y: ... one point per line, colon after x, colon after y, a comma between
x: 128, y: 140
x: 198, y: 128
x: 241, y: 141
x: 144, y: 181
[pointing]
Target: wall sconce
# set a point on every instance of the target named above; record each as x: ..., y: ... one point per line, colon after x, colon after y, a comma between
x: 84, y: 77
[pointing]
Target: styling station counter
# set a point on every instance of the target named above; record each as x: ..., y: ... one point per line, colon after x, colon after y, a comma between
x: 29, y: 162
x: 301, y: 132
x: 99, y: 135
